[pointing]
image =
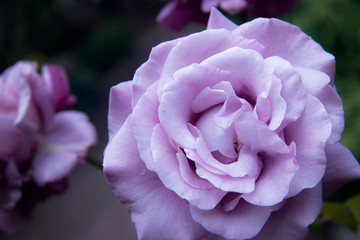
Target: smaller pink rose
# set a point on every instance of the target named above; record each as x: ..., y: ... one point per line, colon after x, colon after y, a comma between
x: 177, y: 13
x: 40, y: 142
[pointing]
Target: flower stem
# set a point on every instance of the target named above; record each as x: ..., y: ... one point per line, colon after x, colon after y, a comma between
x: 94, y: 162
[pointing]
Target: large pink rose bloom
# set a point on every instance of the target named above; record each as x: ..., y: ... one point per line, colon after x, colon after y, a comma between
x: 230, y: 132
x: 177, y: 13
x: 39, y: 143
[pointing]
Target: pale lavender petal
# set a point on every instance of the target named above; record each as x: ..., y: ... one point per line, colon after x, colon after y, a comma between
x: 273, y: 183
x: 289, y: 42
x: 278, y: 104
x: 247, y: 65
x: 119, y: 106
x: 313, y: 80
x: 310, y: 133
x: 227, y: 183
x: 197, y: 47
x: 341, y: 168
x: 317, y: 84
x: 153, y: 207
x: 211, y: 96
x: 169, y: 162
x: 143, y: 119
x: 244, y: 222
x: 333, y: 105
x: 255, y: 134
x: 175, y: 104
x: 292, y: 90
x: 217, y: 20
x: 150, y: 71
x: 291, y: 221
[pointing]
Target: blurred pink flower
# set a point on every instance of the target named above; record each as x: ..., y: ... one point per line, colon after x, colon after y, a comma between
x: 39, y: 143
x: 177, y: 13
x: 232, y: 132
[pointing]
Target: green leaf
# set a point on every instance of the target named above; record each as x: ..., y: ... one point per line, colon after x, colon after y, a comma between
x: 339, y: 213
x: 353, y: 204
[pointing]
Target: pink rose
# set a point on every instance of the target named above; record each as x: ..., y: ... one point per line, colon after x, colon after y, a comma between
x: 177, y: 13
x: 40, y: 144
x: 232, y: 132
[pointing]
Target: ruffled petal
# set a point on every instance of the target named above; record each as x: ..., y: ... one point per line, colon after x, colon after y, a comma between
x: 197, y: 47
x: 310, y: 133
x: 247, y: 65
x: 244, y: 222
x: 292, y: 90
x: 291, y: 221
x: 272, y: 186
x: 198, y: 192
x: 289, y: 42
x: 178, y: 94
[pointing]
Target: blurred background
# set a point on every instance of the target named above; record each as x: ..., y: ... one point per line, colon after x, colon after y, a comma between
x: 101, y: 43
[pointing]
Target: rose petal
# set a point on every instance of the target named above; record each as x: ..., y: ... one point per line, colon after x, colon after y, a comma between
x: 247, y: 65
x: 199, y: 192
x: 27, y: 118
x: 217, y: 19
x: 50, y: 165
x: 292, y: 90
x: 13, y: 143
x: 289, y: 42
x: 143, y: 119
x: 227, y: 183
x: 291, y: 221
x: 119, y: 106
x: 175, y: 104
x: 57, y: 85
x: 152, y: 206
x: 310, y: 133
x: 72, y: 131
x: 211, y: 96
x: 255, y: 134
x: 63, y: 147
x: 272, y: 186
x: 341, y: 168
x: 197, y: 47
x: 150, y: 71
x: 244, y: 222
